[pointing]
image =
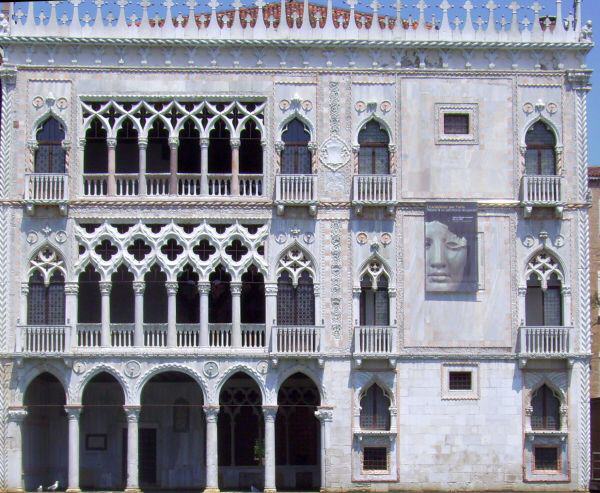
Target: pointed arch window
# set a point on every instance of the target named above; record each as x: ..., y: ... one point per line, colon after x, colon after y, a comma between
x: 543, y: 298
x: 252, y: 297
x: 219, y: 149
x: 219, y: 305
x: 251, y: 151
x: 545, y: 413
x: 89, y: 299
x: 122, y: 297
x: 295, y: 156
x: 46, y: 301
x: 95, y: 155
x: 127, y: 155
x: 540, y: 156
x: 374, y: 300
x: 375, y: 409
x: 50, y: 155
x: 188, y: 154
x: 158, y: 154
x: 373, y: 154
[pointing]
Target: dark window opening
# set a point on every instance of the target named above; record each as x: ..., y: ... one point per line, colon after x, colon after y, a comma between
x: 219, y: 149
x: 46, y: 304
x: 251, y: 151
x: 375, y: 409
x: 219, y: 304
x: 295, y: 304
x: 50, y: 155
x: 546, y: 459
x: 460, y: 380
x: 543, y: 307
x: 188, y: 298
x: 188, y: 155
x: 374, y: 303
x: 540, y: 157
x: 375, y: 459
x: 373, y: 154
x: 296, y: 157
x: 122, y: 298
x: 89, y: 300
x: 253, y: 297
x: 127, y: 152
x: 155, y: 297
x: 158, y: 153
x: 456, y: 124
x: 95, y: 155
x: 546, y: 410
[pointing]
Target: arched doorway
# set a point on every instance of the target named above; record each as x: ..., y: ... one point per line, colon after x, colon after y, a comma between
x: 45, y: 434
x: 241, y: 435
x: 101, y: 457
x: 172, y: 433
x: 297, y: 435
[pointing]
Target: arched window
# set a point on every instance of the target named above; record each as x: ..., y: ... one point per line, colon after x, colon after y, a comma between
x: 295, y: 303
x: 50, y: 155
x: 295, y: 156
x: 158, y: 153
x: 253, y: 297
x: 374, y: 301
x: 543, y: 298
x: 188, y: 299
x: 540, y: 157
x: 46, y: 301
x: 251, y: 152
x: 127, y: 153
x: 89, y: 301
x: 188, y: 155
x: 95, y: 155
x: 375, y: 409
x: 219, y: 304
x: 219, y: 149
x: 373, y: 154
x: 155, y: 296
x: 122, y: 298
x: 545, y: 410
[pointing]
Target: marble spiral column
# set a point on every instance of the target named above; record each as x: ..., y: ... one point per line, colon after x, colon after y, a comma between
x: 270, y: 413
x: 105, y: 288
x: 73, y: 414
x: 133, y: 416
x: 204, y: 290
x: 212, y: 449
x: 138, y: 332
x: 204, y: 165
x: 14, y: 451
x: 325, y: 416
x: 112, y: 181
x: 236, y: 313
x: 235, y: 166
x: 172, y: 287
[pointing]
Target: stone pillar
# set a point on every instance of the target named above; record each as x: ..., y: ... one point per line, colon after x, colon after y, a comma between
x: 138, y: 333
x: 236, y: 312
x: 73, y: 413
x: 172, y: 313
x: 212, y: 449
x: 270, y: 413
x: 235, y: 166
x: 356, y: 306
x: 112, y: 182
x: 105, y: 288
x: 71, y: 292
x: 173, y: 144
x: 204, y: 166
x: 14, y: 450
x: 133, y: 415
x: 318, y: 315
x: 270, y: 312
x: 392, y: 297
x: 204, y: 289
x: 143, y: 145
x: 325, y: 416
x: 24, y: 300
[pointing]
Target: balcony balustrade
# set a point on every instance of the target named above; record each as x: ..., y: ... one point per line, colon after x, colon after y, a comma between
x: 46, y: 189
x: 189, y: 185
x: 296, y: 341
x: 155, y: 335
x: 542, y: 191
x: 296, y: 190
x: 545, y: 342
x: 374, y: 190
x: 121, y: 335
x: 42, y: 339
x: 95, y: 185
x: 157, y: 184
x: 373, y: 342
x: 127, y: 184
x: 188, y: 335
x: 251, y: 185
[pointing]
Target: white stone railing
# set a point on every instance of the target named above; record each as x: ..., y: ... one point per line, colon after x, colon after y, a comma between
x: 296, y: 189
x: 155, y: 335
x: 95, y: 185
x: 545, y: 341
x: 42, y: 338
x: 189, y: 185
x: 542, y: 190
x: 219, y: 335
x: 127, y: 184
x: 251, y: 185
x: 219, y: 184
x: 121, y: 335
x: 46, y: 188
x: 374, y: 189
x: 188, y: 335
x: 296, y: 340
x: 253, y: 336
x: 88, y: 335
x: 374, y: 340
x: 157, y: 183
x: 123, y: 23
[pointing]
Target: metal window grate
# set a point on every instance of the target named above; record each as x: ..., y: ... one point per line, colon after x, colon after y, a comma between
x: 456, y: 124
x: 546, y: 459
x: 375, y: 459
x: 460, y: 380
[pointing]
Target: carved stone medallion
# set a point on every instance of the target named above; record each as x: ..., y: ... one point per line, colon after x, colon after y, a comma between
x: 132, y: 369
x: 211, y: 369
x: 262, y: 367
x: 334, y: 153
x: 79, y: 367
x: 32, y: 237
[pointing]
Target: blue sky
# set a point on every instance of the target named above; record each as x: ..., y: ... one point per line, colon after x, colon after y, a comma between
x: 591, y: 10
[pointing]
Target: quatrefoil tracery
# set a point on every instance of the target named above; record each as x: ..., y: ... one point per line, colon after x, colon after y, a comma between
x: 543, y: 266
x: 46, y: 262
x: 295, y: 261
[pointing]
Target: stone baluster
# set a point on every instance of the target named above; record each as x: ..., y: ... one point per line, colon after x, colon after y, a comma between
x: 112, y: 181
x: 174, y: 145
x: 270, y: 413
x: 236, y: 312
x: 204, y: 166
x: 133, y: 416
x: 14, y: 450
x: 204, y: 289
x: 212, y: 449
x: 172, y: 287
x: 138, y: 333
x: 73, y: 414
x: 105, y: 288
x: 143, y: 146
x: 235, y: 166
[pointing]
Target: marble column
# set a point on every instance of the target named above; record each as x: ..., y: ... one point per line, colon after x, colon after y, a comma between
x: 212, y: 449
x: 325, y: 416
x: 270, y: 311
x: 143, y: 146
x: 270, y: 413
x: 235, y: 166
x: 204, y: 166
x: 73, y: 413
x: 105, y: 288
x: 133, y: 416
x: 236, y: 314
x: 172, y: 287
x: 112, y: 182
x: 71, y: 292
x: 23, y: 317
x: 138, y: 332
x: 174, y: 145
x: 204, y: 290
x: 14, y: 450
x: 356, y: 306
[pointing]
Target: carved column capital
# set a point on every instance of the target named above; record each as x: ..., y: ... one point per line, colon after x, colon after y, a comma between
x: 312, y: 146
x: 111, y: 142
x: 235, y: 143
x: 71, y: 288
x: 105, y: 288
x: 73, y: 412
x: 271, y: 289
x: 173, y: 142
x: 132, y: 413
x: 236, y: 288
x: 172, y: 287
x: 143, y: 143
x: 324, y: 414
x: 204, y: 142
x: 8, y: 75
x: 279, y: 145
x: 32, y: 145
x: 81, y: 143
x: 24, y: 288
x: 17, y: 414
x: 270, y: 412
x: 579, y: 80
x: 139, y: 288
x: 204, y: 287
x: 211, y: 413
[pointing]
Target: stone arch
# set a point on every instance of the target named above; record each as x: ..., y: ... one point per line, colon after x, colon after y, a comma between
x: 375, y: 380
x: 309, y: 264
x: 296, y: 115
x: 46, y: 259
x: 375, y: 273
x: 552, y: 382
x: 550, y: 124
x: 121, y: 120
x: 103, y: 122
x: 169, y: 367
x: 532, y: 267
x: 228, y: 125
x: 253, y: 374
x: 25, y: 379
x: 308, y: 373
x: 42, y: 119
x: 386, y: 127
x: 78, y: 391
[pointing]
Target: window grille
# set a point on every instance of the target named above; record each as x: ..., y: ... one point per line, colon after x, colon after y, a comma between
x: 374, y: 304
x: 456, y: 124
x: 546, y: 410
x: 543, y: 307
x: 46, y: 304
x: 546, y: 459
x: 375, y: 409
x: 50, y: 155
x: 540, y: 157
x: 295, y: 304
x: 375, y: 459
x: 373, y: 154
x: 459, y: 380
x: 296, y: 157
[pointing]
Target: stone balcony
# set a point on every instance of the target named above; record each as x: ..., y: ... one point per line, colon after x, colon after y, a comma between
x: 543, y: 191
x: 374, y: 191
x: 46, y: 189
x: 301, y: 341
x: 375, y: 342
x: 544, y: 343
x: 296, y: 190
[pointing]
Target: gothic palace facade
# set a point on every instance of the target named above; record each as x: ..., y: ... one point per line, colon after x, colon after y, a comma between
x: 291, y: 246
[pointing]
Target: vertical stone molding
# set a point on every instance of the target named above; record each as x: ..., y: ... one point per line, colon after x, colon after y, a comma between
x: 133, y: 416
x: 270, y: 310
x: 14, y: 449
x: 212, y: 449
x: 270, y: 413
x: 143, y: 147
x: 235, y: 166
x: 8, y: 77
x: 73, y: 414
x: 138, y: 334
x: 111, y: 142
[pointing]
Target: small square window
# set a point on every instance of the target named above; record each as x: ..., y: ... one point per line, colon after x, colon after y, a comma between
x: 456, y: 123
x: 375, y: 459
x: 546, y: 459
x: 460, y: 380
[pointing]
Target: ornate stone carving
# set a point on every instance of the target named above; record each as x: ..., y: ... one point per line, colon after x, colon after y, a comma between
x: 210, y: 369
x: 336, y: 279
x: 132, y: 369
x: 334, y: 153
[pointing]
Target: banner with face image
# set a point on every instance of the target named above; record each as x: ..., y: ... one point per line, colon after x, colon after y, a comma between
x: 451, y: 247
